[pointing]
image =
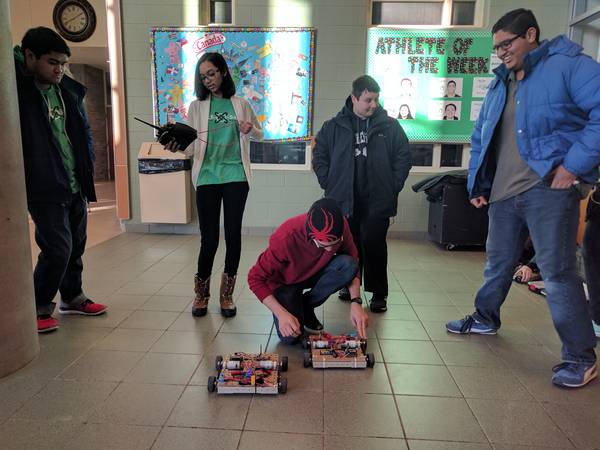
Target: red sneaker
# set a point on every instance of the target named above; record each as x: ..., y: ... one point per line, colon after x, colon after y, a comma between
x: 46, y: 323
x: 87, y: 308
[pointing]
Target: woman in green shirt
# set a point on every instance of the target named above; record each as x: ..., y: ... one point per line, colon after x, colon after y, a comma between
x: 220, y: 173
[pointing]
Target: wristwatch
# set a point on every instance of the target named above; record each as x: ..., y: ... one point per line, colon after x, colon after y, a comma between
x: 356, y: 300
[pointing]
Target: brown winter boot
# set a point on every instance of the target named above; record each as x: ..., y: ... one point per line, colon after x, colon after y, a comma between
x: 202, y: 290
x: 228, y: 308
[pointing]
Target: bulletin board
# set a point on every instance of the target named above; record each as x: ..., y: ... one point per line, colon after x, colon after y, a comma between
x: 273, y: 69
x: 432, y: 81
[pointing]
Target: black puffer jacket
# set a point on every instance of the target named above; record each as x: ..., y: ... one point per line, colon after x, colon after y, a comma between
x: 388, y: 161
x: 45, y: 175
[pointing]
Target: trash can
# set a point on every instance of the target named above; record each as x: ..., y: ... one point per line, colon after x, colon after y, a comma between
x: 165, y: 187
x: 453, y: 221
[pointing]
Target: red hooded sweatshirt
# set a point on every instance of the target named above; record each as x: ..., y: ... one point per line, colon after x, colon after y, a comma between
x: 292, y: 257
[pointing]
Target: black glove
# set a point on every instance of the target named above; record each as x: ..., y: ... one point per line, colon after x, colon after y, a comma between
x: 183, y: 134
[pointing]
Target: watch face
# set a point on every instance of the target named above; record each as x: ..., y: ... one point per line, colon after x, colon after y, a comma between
x: 75, y: 20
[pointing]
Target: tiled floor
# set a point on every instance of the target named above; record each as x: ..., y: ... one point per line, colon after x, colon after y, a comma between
x: 136, y: 377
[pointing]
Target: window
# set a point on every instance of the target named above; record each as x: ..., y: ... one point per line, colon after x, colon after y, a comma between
x: 431, y: 157
x: 585, y: 26
x: 452, y: 155
x: 411, y: 13
x: 422, y: 155
x: 280, y: 155
x: 220, y: 11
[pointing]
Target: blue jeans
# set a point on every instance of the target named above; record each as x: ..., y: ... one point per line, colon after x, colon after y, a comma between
x: 61, y: 234
x: 591, y: 254
x: 551, y: 216
x: 339, y: 273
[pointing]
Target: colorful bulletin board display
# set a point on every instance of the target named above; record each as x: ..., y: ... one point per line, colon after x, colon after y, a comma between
x: 273, y: 68
x: 432, y: 81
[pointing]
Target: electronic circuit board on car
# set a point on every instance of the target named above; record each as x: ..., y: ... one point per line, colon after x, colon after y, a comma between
x: 337, y: 351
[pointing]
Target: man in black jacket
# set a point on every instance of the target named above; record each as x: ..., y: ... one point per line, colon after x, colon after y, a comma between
x: 361, y: 159
x: 58, y: 158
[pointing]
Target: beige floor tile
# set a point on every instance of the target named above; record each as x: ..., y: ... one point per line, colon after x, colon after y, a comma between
x: 111, y: 319
x: 441, y: 445
x: 303, y: 412
x: 73, y: 336
x: 365, y: 381
x: 247, y: 324
x: 518, y: 422
x: 361, y: 443
x: 401, y: 329
x: 437, y: 418
x: 489, y: 383
x: 252, y: 307
x: 15, y: 390
x: 182, y: 290
x: 537, y: 381
x: 437, y: 313
x: 207, y: 324
x: 437, y: 332
x: 409, y: 352
x: 376, y: 417
x: 399, y: 312
x: 428, y: 299
x: 419, y: 286
x: 154, y: 276
x: 126, y: 301
x: 166, y: 303
x: 65, y: 401
x: 475, y: 354
x: 134, y: 340
x: 138, y: 404
x: 299, y: 378
x: 164, y: 368
x: 38, y: 434
x: 257, y: 440
x: 183, y: 342
x: 171, y: 438
x: 150, y: 320
x: 106, y: 436
x: 140, y: 288
x: 199, y: 408
x: 101, y: 365
x: 395, y: 298
x: 225, y: 343
x: 578, y: 422
x: 410, y: 379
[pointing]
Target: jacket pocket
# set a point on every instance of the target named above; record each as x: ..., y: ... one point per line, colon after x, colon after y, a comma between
x: 550, y: 147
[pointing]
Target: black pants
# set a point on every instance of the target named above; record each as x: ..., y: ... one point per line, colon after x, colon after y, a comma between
x: 591, y: 254
x: 208, y: 200
x: 369, y: 234
x: 60, y: 233
x: 339, y: 273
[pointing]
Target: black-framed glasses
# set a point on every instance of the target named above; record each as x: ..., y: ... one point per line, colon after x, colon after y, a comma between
x: 506, y: 43
x: 319, y: 245
x: 210, y: 74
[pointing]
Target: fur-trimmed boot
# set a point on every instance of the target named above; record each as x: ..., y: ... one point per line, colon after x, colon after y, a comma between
x: 202, y: 290
x: 228, y: 308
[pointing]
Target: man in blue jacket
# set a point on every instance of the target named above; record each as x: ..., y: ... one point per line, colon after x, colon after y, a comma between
x: 537, y: 139
x: 361, y: 159
x: 58, y: 159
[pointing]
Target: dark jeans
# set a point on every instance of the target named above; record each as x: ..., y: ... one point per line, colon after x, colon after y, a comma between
x: 551, y: 216
x: 369, y: 234
x: 339, y: 273
x: 591, y: 254
x: 60, y: 233
x: 208, y: 200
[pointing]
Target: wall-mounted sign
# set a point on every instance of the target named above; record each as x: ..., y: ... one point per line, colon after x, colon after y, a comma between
x: 432, y: 81
x: 273, y: 68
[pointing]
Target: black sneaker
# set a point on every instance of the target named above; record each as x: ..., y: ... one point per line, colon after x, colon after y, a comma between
x: 378, y: 303
x: 344, y: 295
x: 311, y: 323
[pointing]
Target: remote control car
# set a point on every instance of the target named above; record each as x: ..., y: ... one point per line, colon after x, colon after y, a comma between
x: 249, y: 373
x: 344, y: 351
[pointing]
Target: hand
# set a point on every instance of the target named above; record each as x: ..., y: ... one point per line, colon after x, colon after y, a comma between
x: 172, y: 146
x: 246, y: 127
x: 524, y: 273
x: 563, y: 179
x: 288, y: 324
x: 360, y: 319
x: 479, y: 202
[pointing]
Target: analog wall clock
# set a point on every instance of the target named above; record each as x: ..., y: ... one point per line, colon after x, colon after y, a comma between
x: 75, y: 20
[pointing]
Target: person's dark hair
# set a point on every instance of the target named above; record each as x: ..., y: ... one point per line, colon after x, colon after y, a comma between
x: 451, y: 81
x: 518, y: 21
x: 405, y: 79
x: 450, y: 104
x: 409, y: 116
x: 42, y: 40
x: 227, y: 86
x: 364, y: 83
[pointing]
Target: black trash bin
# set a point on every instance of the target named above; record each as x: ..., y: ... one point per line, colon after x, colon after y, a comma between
x: 453, y: 221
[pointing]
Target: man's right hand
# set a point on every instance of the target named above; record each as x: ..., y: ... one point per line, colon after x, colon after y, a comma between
x: 288, y: 324
x: 479, y: 202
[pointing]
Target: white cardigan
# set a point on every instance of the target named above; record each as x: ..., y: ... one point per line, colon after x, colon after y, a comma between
x: 198, y: 119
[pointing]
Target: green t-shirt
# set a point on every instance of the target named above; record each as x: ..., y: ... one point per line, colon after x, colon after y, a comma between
x: 56, y: 114
x: 222, y: 161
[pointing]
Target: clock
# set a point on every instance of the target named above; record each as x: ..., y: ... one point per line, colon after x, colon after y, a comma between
x: 75, y: 20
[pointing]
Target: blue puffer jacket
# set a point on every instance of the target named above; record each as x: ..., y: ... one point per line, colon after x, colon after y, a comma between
x: 557, y: 115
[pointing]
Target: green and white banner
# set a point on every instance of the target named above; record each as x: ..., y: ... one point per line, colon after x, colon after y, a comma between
x: 432, y: 81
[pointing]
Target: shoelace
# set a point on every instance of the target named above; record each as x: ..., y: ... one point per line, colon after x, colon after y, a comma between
x: 569, y: 366
x: 467, y: 324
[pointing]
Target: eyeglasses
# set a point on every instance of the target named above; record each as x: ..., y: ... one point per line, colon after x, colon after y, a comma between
x: 507, y: 43
x: 210, y: 74
x: 319, y: 245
